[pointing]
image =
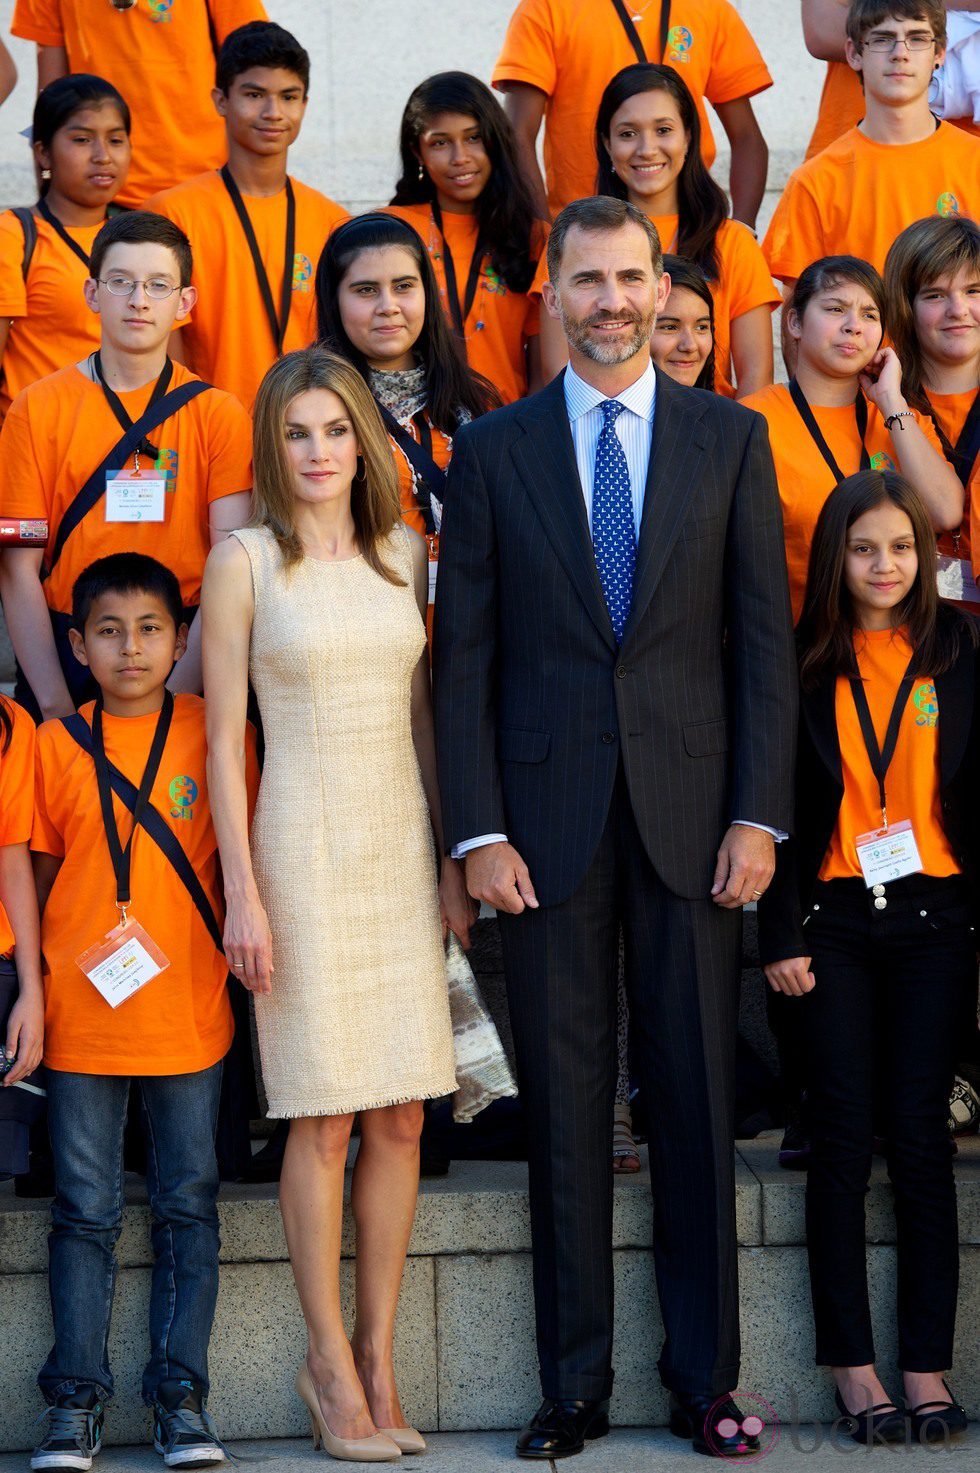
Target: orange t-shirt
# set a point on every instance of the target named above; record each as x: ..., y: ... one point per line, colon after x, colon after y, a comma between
x: 951, y: 411
x: 228, y: 339
x: 858, y: 195
x: 160, y: 56
x: 16, y: 796
x: 571, y: 49
x: 804, y: 478
x: 181, y: 1021
x: 52, y: 326
x: 912, y: 784
x: 60, y: 430
x: 744, y: 283
x: 500, y: 321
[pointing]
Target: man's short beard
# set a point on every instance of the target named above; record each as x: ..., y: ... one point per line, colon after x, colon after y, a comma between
x: 595, y: 349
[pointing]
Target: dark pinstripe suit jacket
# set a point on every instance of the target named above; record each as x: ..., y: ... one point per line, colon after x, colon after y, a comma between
x: 535, y: 704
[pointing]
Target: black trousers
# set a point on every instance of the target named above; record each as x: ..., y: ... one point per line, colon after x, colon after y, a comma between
x: 682, y: 974
x: 902, y: 976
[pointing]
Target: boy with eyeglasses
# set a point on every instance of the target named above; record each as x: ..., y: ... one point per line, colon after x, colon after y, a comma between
x: 124, y: 451
x: 160, y: 54
x: 899, y: 164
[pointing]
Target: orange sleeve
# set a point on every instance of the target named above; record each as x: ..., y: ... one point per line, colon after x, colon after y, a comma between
x: 13, y: 287
x: 748, y: 280
x: 540, y: 276
x: 228, y: 15
x: 737, y: 68
x: 529, y: 50
x: 924, y: 421
x: 229, y: 447
x: 17, y: 779
x: 22, y: 489
x: 46, y: 834
x: 795, y: 235
x: 252, y: 774
x: 38, y: 21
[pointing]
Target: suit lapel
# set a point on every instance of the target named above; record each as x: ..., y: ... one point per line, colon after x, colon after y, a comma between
x: 677, y: 450
x: 545, y: 457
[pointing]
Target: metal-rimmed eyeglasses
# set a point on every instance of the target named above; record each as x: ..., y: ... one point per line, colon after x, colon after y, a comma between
x: 887, y: 41
x: 157, y: 288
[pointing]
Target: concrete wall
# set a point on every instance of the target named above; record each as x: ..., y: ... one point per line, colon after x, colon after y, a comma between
x: 367, y: 56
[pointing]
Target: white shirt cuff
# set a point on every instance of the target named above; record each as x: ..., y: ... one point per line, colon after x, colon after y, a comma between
x: 778, y: 834
x: 459, y: 850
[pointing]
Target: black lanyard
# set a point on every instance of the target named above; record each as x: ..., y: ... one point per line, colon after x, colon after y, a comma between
x: 816, y: 433
x: 278, y: 323
x: 122, y: 857
x: 427, y: 475
x: 119, y: 409
x: 458, y: 313
x: 46, y: 213
x: 633, y: 35
x: 962, y: 455
x: 881, y: 757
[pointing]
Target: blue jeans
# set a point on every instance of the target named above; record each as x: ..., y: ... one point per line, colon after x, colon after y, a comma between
x: 87, y: 1116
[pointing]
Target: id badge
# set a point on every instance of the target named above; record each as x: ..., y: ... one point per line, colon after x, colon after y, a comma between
x: 955, y: 580
x: 131, y: 496
x: 433, y: 543
x: 888, y: 854
x: 126, y: 959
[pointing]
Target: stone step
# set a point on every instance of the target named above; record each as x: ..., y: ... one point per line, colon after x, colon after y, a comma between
x: 464, y: 1341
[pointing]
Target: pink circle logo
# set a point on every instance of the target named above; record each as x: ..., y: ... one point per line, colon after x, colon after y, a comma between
x: 759, y: 1420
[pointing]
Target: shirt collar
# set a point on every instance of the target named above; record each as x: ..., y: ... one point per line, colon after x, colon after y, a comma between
x: 639, y: 398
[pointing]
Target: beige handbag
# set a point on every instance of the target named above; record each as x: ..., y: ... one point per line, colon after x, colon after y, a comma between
x: 482, y: 1071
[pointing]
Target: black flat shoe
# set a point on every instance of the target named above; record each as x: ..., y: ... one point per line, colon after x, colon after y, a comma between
x: 882, y: 1423
x: 704, y: 1420
x: 559, y: 1429
x: 934, y: 1421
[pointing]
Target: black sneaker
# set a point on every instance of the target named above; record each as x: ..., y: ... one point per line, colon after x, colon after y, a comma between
x: 182, y: 1430
x: 74, y: 1435
x: 794, y: 1152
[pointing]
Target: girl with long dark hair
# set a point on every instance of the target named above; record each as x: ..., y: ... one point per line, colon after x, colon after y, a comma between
x: 462, y: 189
x: 648, y: 150
x: 932, y: 277
x: 81, y: 146
x: 868, y: 930
x: 683, y: 340
x: 378, y: 306
x: 845, y: 409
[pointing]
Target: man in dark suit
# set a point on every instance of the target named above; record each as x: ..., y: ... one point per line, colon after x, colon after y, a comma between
x: 614, y: 681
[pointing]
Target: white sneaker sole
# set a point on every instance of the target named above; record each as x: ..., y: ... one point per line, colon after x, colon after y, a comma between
x: 81, y: 1461
x: 190, y: 1457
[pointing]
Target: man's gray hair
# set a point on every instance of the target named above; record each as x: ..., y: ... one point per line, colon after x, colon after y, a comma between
x: 598, y: 213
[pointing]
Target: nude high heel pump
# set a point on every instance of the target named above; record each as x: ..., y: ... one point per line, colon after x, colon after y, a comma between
x: 405, y: 1438
x: 375, y: 1449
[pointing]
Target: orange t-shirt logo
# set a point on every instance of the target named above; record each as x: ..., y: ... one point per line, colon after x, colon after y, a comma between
x: 183, y: 796
x: 946, y: 205
x: 926, y: 705
x: 161, y: 9
x: 679, y: 44
x: 302, y: 272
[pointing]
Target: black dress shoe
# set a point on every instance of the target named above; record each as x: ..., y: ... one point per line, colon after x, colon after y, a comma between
x: 934, y: 1421
x: 704, y: 1419
x: 882, y: 1423
x: 560, y: 1428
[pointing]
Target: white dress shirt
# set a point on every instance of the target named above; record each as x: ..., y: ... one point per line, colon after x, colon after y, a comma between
x: 634, y: 428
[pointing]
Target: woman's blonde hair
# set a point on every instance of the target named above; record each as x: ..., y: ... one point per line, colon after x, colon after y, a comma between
x: 374, y: 493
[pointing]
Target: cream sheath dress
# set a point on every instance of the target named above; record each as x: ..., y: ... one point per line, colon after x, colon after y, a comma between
x: 342, y: 848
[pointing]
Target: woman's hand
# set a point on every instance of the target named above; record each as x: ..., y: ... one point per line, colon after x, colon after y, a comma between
x: 792, y: 976
x: 457, y: 910
x: 882, y: 382
x: 248, y: 943
x: 25, y: 1036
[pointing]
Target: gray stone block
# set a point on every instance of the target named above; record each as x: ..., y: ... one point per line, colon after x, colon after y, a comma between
x: 257, y: 1345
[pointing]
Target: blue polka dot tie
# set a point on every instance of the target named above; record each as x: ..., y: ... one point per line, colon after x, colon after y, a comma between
x: 613, y: 532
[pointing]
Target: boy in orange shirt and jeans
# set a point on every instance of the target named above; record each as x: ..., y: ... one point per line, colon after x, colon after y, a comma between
x: 126, y: 865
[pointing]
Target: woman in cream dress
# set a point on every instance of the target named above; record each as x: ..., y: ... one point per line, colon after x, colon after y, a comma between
x: 333, y: 913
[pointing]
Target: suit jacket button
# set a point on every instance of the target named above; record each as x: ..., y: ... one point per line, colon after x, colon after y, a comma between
x: 608, y: 738
x: 621, y: 672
